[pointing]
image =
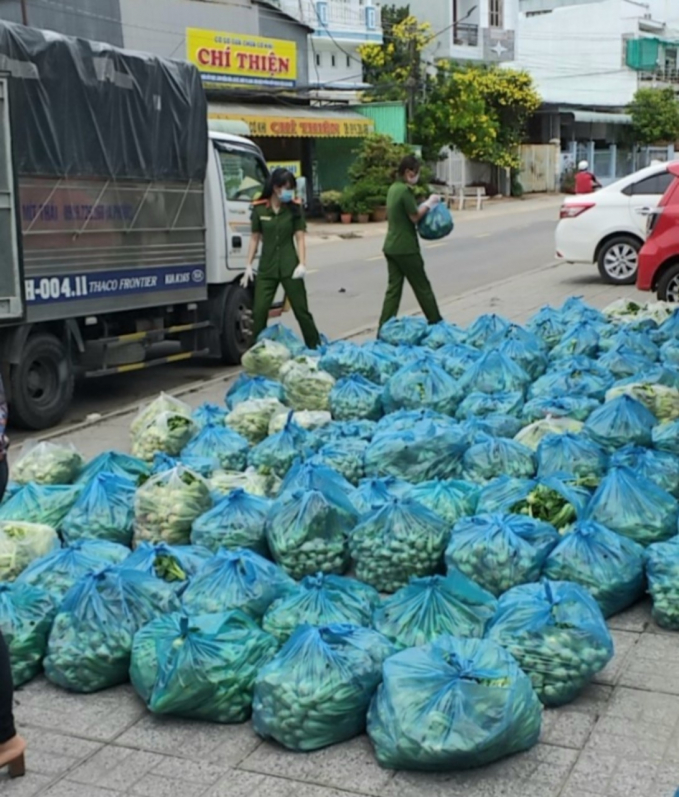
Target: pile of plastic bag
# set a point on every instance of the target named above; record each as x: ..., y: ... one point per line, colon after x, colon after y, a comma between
x: 236, y: 521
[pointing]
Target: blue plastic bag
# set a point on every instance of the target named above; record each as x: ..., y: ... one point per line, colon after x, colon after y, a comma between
x: 117, y: 463
x: 246, y: 388
x: 424, y: 385
x: 60, y: 570
x: 200, y: 667
x: 619, y: 422
x: 607, y: 564
x: 668, y: 329
x: 402, y: 331
x: 492, y: 373
x: 623, y: 362
x: 557, y: 634
x: 485, y: 327
x: 450, y: 499
x: 661, y: 467
x: 26, y: 617
x: 662, y: 569
x: 492, y: 457
x: 527, y: 355
x: 341, y: 430
x: 374, y: 493
x: 499, y: 550
x: 236, y: 580
x: 307, y: 532
x: 428, y: 608
x: 103, y: 511
x: 229, y: 448
x: 655, y: 375
x: 456, y: 358
x: 281, y: 334
x: 579, y: 408
x: 208, y: 415
x: 481, y: 405
x: 346, y: 456
x: 317, y: 689
x: 320, y: 600
x: 454, y: 704
x: 355, y: 397
x: 666, y: 437
x: 634, y: 507
x: 426, y: 451
x: 574, y: 309
x: 405, y: 420
x: 277, y: 453
x: 571, y: 456
x: 548, y: 325
x: 315, y: 476
x: 91, y: 640
x: 493, y: 425
x: 397, y: 541
x: 444, y: 334
x: 387, y: 357
x: 45, y: 504
x: 344, y: 359
x: 571, y: 380
x: 639, y: 342
x: 203, y: 466
x: 176, y: 564
x: 236, y: 521
x: 580, y: 338
x: 436, y: 224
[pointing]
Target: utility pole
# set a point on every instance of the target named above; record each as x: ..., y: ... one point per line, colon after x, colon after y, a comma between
x: 413, y: 80
x: 24, y: 13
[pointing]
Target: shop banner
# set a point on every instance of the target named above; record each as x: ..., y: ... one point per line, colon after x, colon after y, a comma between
x: 241, y: 59
x: 295, y: 167
x: 303, y: 127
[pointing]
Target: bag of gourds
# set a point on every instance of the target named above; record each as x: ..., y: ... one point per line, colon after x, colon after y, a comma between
x: 450, y: 705
x: 355, y: 397
x: 200, y: 667
x: 558, y: 635
x: 397, y: 541
x: 450, y: 499
x: 430, y: 607
x: 320, y: 600
x: 317, y: 689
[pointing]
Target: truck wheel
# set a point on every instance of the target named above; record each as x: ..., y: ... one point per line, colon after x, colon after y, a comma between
x: 236, y: 324
x: 668, y: 285
x: 41, y: 384
x: 618, y: 260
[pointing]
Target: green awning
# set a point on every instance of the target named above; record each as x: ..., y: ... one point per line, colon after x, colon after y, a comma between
x: 598, y: 117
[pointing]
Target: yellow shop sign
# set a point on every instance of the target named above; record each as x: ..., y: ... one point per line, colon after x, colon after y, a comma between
x: 241, y: 59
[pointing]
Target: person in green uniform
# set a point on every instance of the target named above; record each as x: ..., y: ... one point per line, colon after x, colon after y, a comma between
x: 277, y: 222
x: 402, y: 246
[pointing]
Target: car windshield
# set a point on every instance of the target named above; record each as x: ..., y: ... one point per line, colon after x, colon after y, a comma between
x: 244, y: 174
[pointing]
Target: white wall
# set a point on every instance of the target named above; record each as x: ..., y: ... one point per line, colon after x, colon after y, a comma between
x: 576, y: 54
x: 159, y: 26
x: 346, y: 69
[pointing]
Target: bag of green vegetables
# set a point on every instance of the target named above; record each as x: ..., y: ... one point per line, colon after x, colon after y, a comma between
x: 104, y: 510
x: 450, y: 705
x: 175, y: 564
x: 47, y: 463
x: 21, y: 544
x: 201, y: 667
x: 662, y: 569
x: 556, y: 632
x: 236, y: 521
x: 316, y: 690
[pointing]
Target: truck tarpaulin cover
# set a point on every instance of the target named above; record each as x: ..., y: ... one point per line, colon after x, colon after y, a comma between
x: 87, y: 109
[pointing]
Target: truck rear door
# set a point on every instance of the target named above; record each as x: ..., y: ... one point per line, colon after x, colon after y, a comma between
x: 11, y: 286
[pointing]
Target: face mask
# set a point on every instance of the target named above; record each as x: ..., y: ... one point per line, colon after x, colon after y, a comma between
x: 414, y: 180
x: 287, y: 195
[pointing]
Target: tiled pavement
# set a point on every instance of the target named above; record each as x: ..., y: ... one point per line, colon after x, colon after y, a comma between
x: 619, y: 739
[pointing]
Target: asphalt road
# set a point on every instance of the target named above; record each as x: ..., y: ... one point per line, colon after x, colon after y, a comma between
x: 346, y: 283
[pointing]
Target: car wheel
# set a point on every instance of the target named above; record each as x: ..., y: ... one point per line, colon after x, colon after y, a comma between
x: 668, y: 285
x: 237, y: 324
x: 619, y: 260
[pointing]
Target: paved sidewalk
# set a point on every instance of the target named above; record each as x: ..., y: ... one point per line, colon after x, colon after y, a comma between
x: 619, y: 739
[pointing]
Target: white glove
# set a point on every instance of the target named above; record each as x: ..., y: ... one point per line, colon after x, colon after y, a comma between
x: 433, y: 200
x: 299, y: 273
x: 247, y: 277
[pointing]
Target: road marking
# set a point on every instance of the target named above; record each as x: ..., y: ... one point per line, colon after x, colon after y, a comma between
x: 312, y: 271
x: 378, y: 257
x: 483, y: 235
x: 436, y: 246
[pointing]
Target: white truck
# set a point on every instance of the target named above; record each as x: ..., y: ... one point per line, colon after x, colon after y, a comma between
x: 125, y: 222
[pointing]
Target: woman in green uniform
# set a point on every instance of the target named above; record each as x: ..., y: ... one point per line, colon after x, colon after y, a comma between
x: 402, y: 246
x: 278, y: 223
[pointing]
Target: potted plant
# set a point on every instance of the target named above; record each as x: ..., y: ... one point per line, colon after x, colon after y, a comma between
x: 330, y: 200
x: 362, y: 212
x: 348, y: 205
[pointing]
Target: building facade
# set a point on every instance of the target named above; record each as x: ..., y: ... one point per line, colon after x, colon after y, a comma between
x: 340, y: 27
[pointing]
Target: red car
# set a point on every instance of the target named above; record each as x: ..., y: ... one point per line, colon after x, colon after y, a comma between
x: 659, y: 256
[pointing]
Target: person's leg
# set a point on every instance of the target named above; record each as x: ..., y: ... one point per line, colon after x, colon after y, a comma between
x: 265, y: 293
x: 392, y: 298
x: 7, y: 729
x: 413, y: 269
x: 295, y: 290
x: 4, y: 477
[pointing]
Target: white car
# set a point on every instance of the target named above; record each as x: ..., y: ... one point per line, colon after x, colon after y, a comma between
x: 608, y: 227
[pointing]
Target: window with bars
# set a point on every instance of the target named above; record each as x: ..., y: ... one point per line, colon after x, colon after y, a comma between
x: 495, y: 13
